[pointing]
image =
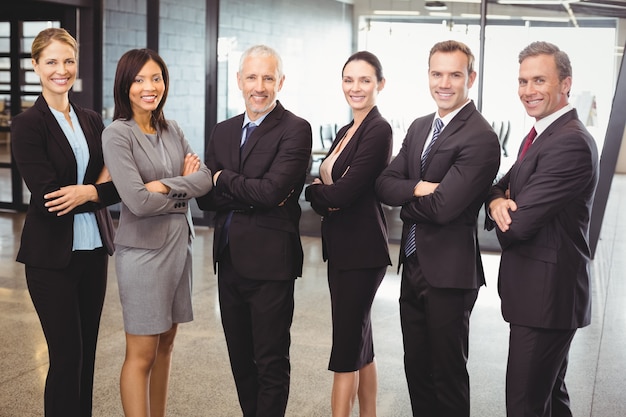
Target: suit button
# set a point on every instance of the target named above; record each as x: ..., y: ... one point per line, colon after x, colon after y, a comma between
x: 183, y: 204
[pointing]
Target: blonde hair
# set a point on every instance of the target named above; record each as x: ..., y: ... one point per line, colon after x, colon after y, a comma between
x: 46, y: 36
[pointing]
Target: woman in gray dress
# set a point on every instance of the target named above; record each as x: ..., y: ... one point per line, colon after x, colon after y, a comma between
x: 156, y: 174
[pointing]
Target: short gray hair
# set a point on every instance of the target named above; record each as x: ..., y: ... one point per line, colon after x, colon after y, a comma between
x: 262, y: 50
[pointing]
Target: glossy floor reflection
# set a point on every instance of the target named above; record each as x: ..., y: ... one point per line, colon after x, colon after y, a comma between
x: 201, y: 381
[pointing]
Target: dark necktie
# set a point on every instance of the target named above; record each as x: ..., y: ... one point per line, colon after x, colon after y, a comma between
x: 529, y: 141
x: 248, y: 129
x: 409, y: 247
x: 436, y: 132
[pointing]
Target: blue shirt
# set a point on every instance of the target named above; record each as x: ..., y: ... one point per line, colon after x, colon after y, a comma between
x: 86, y: 232
x: 247, y: 120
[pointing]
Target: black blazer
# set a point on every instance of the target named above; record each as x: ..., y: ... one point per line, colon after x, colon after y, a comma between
x: 355, y: 236
x: 544, y: 268
x: 464, y: 160
x: 262, y: 186
x: 46, y: 161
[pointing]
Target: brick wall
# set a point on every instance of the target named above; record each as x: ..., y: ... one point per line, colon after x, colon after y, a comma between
x: 314, y: 39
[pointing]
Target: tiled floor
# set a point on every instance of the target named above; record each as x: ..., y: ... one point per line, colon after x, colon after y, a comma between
x: 201, y: 382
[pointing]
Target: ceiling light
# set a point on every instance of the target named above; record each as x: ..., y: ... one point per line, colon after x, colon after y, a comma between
x: 435, y: 5
x: 545, y: 19
x: 536, y: 2
x: 397, y: 12
x: 489, y: 16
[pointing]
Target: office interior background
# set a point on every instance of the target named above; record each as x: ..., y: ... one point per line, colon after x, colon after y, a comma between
x: 202, y: 41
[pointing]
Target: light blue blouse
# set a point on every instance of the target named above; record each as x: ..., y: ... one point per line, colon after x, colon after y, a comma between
x: 86, y: 233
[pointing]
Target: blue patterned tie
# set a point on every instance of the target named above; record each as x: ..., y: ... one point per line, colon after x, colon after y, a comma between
x: 409, y: 247
x: 436, y: 132
x: 249, y: 128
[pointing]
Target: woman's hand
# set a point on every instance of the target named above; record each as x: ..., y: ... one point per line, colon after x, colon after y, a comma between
x: 157, y: 187
x: 319, y: 181
x: 191, y: 164
x: 66, y: 199
x: 104, y: 176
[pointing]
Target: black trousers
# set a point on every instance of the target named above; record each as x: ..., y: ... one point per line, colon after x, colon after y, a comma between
x: 535, y: 374
x: 69, y: 304
x: 256, y: 317
x: 435, y: 332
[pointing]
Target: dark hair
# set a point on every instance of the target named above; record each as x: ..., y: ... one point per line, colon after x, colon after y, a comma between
x: 46, y: 36
x: 563, y: 65
x: 368, y: 57
x: 451, y: 46
x: 128, y: 67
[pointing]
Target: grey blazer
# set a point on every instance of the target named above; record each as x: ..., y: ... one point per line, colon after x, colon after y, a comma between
x: 133, y: 162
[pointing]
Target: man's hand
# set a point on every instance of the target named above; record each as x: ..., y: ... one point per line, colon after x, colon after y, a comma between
x: 282, y: 203
x: 216, y: 176
x: 423, y: 188
x: 499, y: 211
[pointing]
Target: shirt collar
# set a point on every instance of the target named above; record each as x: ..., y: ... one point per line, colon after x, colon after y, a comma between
x: 257, y: 122
x: 448, y: 117
x: 541, y: 125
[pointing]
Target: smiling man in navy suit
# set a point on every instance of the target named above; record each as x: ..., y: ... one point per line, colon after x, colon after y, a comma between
x: 441, y: 178
x: 542, y: 208
x: 260, y: 159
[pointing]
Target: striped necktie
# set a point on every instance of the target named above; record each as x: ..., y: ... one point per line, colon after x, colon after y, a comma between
x: 409, y: 246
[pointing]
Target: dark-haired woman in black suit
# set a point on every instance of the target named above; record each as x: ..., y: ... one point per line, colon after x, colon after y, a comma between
x: 354, y: 234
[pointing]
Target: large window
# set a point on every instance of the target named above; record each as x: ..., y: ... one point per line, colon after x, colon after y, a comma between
x: 19, y: 88
x: 403, y: 48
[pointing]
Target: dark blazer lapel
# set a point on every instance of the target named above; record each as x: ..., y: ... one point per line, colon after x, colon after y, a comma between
x: 521, y: 171
x: 455, y: 124
x: 234, y: 141
x: 340, y: 134
x: 530, y: 155
x: 270, y: 121
x: 57, y: 133
x: 555, y: 127
x: 419, y: 137
x: 349, y: 150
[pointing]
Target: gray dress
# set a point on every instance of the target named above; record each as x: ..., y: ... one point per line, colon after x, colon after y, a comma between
x: 153, y: 244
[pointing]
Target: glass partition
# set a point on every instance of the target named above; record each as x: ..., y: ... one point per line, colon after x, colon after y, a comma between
x: 17, y: 93
x: 403, y: 47
x: 592, y: 85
